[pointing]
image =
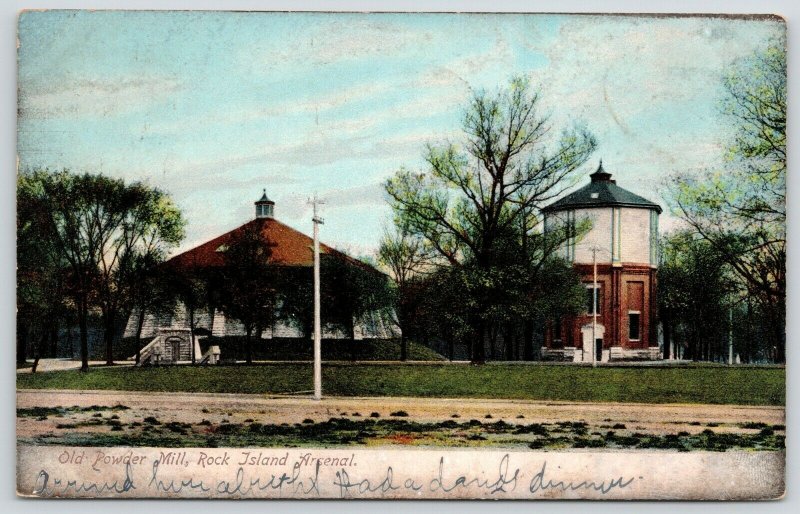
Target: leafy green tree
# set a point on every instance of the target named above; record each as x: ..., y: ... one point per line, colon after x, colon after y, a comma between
x: 440, y: 308
x: 150, y: 292
x: 295, y: 303
x: 351, y: 290
x: 247, y: 291
x: 740, y: 208
x: 97, y: 226
x: 471, y: 195
x: 143, y: 225
x: 695, y: 292
x: 41, y: 273
x: 407, y: 258
x: 192, y: 289
x: 522, y: 295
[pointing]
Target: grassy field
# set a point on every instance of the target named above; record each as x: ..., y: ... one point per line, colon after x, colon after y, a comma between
x: 707, y: 384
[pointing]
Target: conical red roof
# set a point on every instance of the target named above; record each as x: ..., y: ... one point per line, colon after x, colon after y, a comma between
x: 288, y: 247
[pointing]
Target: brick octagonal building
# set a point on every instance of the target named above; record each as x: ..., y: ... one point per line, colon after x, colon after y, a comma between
x: 624, y: 237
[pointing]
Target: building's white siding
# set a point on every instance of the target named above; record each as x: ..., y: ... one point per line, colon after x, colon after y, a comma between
x: 635, y: 235
x: 598, y: 237
x: 374, y: 325
x: 620, y: 234
x: 552, y: 222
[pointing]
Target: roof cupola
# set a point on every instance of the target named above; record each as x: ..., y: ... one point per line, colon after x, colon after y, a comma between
x: 601, y: 175
x: 265, y: 208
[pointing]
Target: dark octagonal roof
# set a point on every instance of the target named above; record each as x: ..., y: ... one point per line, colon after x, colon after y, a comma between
x: 264, y: 199
x: 602, y: 191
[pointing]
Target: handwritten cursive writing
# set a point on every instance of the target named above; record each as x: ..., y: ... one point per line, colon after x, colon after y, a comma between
x: 446, y: 480
x: 538, y: 483
x: 47, y: 487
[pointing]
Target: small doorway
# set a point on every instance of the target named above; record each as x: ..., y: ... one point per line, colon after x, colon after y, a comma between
x: 587, y: 334
x: 174, y: 344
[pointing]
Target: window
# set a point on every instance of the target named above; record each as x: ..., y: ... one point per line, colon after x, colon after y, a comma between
x: 590, y: 299
x: 634, y: 320
x: 557, y: 330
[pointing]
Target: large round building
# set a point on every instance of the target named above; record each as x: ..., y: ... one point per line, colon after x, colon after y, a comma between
x: 623, y: 241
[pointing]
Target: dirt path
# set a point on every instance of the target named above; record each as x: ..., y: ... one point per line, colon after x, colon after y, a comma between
x: 48, y: 365
x: 229, y: 408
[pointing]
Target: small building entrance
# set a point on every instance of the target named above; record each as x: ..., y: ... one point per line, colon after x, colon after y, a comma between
x: 173, y: 345
x: 586, y: 337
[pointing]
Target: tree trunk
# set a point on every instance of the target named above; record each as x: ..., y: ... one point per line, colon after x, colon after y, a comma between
x: 403, y: 323
x: 509, y: 343
x: 191, y: 335
x: 22, y: 342
x: 527, y: 350
x: 249, y: 346
x: 353, y: 348
x: 479, y: 344
x: 139, y: 326
x: 108, y: 337
x: 37, y: 351
x: 258, y: 333
x: 54, y: 339
x: 749, y: 333
x: 492, y: 341
x: 778, y: 328
x: 83, y: 309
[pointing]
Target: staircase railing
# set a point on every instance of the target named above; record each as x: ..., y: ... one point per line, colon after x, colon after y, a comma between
x: 211, y: 356
x: 146, y: 353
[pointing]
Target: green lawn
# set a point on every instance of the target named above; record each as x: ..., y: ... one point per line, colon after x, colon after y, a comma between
x: 711, y: 384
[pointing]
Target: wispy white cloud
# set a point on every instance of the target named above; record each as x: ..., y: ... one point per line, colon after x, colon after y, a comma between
x: 367, y: 194
x: 270, y: 108
x: 94, y: 97
x: 335, y: 104
x: 629, y: 65
x: 460, y: 73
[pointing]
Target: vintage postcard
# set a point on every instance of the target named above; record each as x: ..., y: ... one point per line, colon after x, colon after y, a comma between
x: 413, y: 256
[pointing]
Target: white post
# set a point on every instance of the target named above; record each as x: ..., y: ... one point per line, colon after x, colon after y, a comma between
x: 594, y: 309
x: 317, y: 324
x: 730, y: 335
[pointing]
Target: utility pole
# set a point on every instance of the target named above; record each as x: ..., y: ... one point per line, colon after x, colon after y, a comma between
x: 730, y: 335
x: 594, y: 308
x: 317, y: 324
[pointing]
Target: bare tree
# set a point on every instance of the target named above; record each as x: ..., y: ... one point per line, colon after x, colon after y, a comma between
x: 508, y: 167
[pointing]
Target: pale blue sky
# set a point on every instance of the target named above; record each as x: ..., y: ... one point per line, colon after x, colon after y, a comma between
x: 213, y: 106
